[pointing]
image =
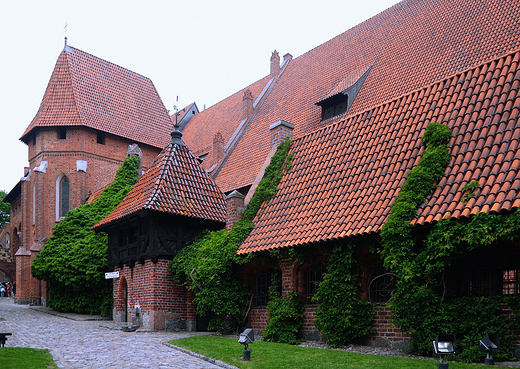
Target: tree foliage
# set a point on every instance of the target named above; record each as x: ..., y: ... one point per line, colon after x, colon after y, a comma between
x: 5, y: 209
x: 74, y: 259
x: 209, y: 265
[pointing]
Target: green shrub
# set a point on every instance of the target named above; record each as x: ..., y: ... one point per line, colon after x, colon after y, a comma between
x: 341, y: 314
x: 285, y: 319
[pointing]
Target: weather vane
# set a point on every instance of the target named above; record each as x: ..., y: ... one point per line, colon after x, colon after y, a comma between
x: 66, y: 25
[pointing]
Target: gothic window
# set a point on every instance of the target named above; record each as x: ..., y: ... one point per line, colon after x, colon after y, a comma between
x: 63, y: 196
x: 312, y: 277
x: 34, y: 204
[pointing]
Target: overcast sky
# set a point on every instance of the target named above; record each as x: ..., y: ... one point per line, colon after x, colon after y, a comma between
x: 199, y: 50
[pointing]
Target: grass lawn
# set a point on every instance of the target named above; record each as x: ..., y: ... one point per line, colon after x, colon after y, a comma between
x: 268, y: 355
x: 27, y: 358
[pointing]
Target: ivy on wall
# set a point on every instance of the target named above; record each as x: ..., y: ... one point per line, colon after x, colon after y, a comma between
x: 341, y: 314
x: 208, y: 266
x: 74, y: 259
x: 421, y: 305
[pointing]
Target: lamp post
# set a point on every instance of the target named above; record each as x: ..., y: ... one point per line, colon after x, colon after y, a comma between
x: 247, y: 337
x: 444, y: 345
x: 488, y: 344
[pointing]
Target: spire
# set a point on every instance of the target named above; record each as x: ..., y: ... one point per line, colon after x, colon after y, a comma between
x: 176, y: 136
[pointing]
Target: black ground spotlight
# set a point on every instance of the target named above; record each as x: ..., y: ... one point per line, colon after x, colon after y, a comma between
x: 444, y: 345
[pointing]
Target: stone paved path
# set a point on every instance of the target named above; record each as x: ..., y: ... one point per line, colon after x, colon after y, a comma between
x: 92, y: 344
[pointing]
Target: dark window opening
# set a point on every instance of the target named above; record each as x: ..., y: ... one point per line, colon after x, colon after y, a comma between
x: 333, y: 106
x: 62, y: 133
x: 64, y: 196
x: 486, y: 272
x: 34, y: 139
x: 382, y: 284
x: 312, y: 277
x: 101, y: 138
x: 264, y: 281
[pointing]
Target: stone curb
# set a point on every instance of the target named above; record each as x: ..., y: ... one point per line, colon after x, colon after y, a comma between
x: 202, y: 357
x: 71, y: 316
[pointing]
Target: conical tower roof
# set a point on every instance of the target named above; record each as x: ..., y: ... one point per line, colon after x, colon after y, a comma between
x: 174, y: 184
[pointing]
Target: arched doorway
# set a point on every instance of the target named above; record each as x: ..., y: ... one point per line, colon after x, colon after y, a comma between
x: 123, y: 297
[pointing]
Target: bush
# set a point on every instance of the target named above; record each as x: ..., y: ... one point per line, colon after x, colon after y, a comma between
x: 285, y: 319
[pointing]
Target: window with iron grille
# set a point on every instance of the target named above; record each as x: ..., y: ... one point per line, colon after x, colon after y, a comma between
x: 486, y: 272
x: 312, y: 277
x: 511, y: 282
x: 382, y: 285
x: 264, y: 281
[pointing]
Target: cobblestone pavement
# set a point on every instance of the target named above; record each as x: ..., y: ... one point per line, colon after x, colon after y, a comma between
x: 80, y: 343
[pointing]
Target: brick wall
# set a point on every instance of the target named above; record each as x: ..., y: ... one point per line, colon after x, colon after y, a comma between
x: 154, y: 300
x: 37, y: 214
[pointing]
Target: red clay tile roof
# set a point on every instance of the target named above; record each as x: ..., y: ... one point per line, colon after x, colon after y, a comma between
x: 224, y: 117
x: 345, y: 176
x: 88, y: 91
x: 174, y: 184
x: 410, y: 45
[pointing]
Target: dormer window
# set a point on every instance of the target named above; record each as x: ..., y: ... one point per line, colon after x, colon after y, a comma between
x: 333, y: 106
x: 202, y: 157
x: 339, y: 100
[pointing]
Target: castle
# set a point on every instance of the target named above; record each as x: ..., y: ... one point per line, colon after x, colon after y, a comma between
x: 355, y: 106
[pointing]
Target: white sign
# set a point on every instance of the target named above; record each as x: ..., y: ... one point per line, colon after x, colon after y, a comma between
x: 112, y: 275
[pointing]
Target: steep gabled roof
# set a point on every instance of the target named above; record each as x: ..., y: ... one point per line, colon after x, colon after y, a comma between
x: 408, y: 46
x: 174, y: 184
x: 88, y: 91
x: 345, y: 176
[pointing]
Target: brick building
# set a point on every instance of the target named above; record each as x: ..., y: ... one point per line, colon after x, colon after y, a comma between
x: 356, y: 107
x: 168, y: 206
x: 92, y: 115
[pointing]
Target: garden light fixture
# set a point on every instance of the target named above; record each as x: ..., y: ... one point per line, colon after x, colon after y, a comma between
x: 444, y: 345
x: 247, y: 337
x: 488, y: 344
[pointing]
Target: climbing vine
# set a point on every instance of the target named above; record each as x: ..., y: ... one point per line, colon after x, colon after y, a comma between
x: 341, y: 315
x: 421, y: 305
x: 208, y: 266
x: 74, y: 259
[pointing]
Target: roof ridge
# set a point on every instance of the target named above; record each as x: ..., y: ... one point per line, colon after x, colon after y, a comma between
x: 73, y: 87
x: 104, y: 60
x: 270, y: 85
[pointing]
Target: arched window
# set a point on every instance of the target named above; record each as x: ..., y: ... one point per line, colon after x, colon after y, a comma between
x: 62, y: 196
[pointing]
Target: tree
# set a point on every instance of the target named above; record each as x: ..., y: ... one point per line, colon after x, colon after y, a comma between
x: 4, y: 209
x: 74, y: 259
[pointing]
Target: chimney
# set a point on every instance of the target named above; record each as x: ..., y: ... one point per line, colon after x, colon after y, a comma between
x: 234, y: 208
x: 218, y: 148
x: 275, y: 64
x: 247, y: 101
x: 286, y: 58
x: 279, y: 131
